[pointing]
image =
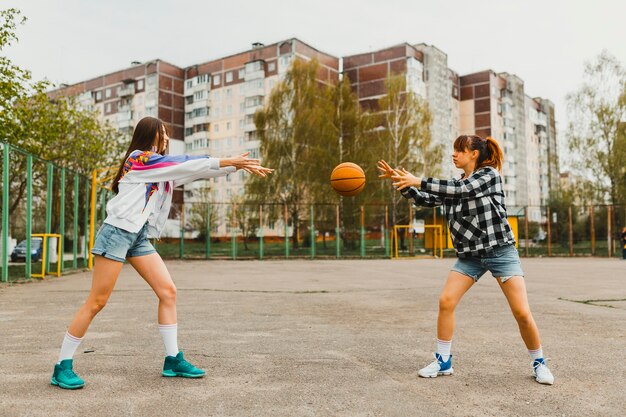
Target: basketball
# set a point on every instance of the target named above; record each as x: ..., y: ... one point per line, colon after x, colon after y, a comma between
x: 347, y: 179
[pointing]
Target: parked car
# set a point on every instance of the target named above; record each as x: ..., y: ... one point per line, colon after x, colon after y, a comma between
x: 20, y: 250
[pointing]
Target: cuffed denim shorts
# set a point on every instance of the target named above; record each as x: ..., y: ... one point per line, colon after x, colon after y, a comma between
x: 503, y: 263
x: 118, y: 244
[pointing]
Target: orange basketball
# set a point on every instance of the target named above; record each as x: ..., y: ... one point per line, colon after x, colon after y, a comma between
x: 347, y: 179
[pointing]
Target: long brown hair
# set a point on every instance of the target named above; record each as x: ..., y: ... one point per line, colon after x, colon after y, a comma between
x: 489, y: 152
x: 147, y: 130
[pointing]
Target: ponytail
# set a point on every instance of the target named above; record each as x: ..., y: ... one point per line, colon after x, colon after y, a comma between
x: 491, y: 155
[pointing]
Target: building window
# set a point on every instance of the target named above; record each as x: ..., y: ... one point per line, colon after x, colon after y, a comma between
x: 242, y: 107
x: 151, y: 80
x: 107, y: 108
x: 202, y: 78
x: 140, y: 85
x: 189, y: 83
x: 241, y: 127
x: 216, y: 95
x: 188, y: 131
x: 229, y: 77
x: 242, y: 73
x: 229, y: 126
x: 271, y: 66
x: 216, y: 128
x: 98, y: 95
x: 107, y: 93
x: 199, y: 95
x: 189, y: 99
x: 229, y: 92
x: 216, y: 79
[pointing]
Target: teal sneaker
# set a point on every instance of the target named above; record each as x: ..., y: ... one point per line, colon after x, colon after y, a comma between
x: 178, y: 366
x: 65, y: 377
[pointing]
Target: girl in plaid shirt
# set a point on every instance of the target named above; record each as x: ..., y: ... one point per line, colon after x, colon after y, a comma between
x: 475, y: 209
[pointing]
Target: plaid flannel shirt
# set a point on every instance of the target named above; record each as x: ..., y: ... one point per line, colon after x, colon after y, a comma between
x: 474, y: 207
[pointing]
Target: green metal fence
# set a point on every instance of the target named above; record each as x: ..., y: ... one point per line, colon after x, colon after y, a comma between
x: 39, y: 196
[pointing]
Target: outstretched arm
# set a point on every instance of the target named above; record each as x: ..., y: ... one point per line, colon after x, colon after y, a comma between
x: 406, y: 184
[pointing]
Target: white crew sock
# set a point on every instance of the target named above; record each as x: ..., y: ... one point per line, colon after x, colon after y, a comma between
x: 169, y: 332
x: 443, y: 348
x: 69, y: 346
x: 536, y: 354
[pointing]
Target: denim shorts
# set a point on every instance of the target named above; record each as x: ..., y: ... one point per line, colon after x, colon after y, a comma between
x: 118, y: 244
x: 503, y: 263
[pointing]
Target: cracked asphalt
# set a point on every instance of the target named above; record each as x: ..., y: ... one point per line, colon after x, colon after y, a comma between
x: 321, y: 338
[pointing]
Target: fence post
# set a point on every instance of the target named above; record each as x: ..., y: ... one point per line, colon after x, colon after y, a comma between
x: 233, y: 233
x: 207, y: 248
x: 86, y: 215
x: 286, y: 219
x: 609, y: 232
x: 5, y: 212
x: 29, y: 213
x: 62, y: 220
x: 312, y: 232
x: 260, y: 232
x: 75, y: 226
x: 92, y: 216
x: 570, y: 232
x: 181, y: 246
x: 409, y: 235
x: 337, y: 234
x: 49, y: 187
x: 526, y: 228
x: 387, y: 236
x: 593, y: 231
x: 362, y: 232
x: 549, y: 233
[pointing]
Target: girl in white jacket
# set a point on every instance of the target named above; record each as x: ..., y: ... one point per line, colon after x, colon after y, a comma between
x: 144, y: 184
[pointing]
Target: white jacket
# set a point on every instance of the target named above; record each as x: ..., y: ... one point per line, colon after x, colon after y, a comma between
x: 147, y: 184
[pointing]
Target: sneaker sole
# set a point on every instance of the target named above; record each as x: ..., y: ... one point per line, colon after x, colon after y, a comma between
x: 544, y: 382
x: 181, y: 374
x: 54, y: 382
x: 444, y: 373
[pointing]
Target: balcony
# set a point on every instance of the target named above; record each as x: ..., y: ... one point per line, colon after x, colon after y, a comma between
x: 249, y: 127
x: 124, y: 116
x: 127, y: 90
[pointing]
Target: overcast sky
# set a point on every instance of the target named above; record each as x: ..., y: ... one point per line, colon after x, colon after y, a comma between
x: 544, y: 42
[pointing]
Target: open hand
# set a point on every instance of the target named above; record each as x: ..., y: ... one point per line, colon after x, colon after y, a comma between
x: 403, y: 179
x: 258, y: 170
x: 240, y: 162
x: 385, y: 170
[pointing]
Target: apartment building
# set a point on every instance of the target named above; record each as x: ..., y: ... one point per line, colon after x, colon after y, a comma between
x: 122, y: 98
x: 427, y: 75
x: 210, y: 107
x: 221, y: 97
x: 494, y: 104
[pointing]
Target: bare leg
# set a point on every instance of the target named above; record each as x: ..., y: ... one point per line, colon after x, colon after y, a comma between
x: 105, y: 273
x: 515, y: 291
x: 154, y: 272
x: 456, y: 286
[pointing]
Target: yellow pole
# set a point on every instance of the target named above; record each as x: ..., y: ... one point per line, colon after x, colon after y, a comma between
x: 92, y: 215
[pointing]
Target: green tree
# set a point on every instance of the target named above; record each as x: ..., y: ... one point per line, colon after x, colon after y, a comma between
x: 403, y: 139
x: 597, y: 111
x: 59, y: 130
x: 298, y: 140
x: 203, y: 215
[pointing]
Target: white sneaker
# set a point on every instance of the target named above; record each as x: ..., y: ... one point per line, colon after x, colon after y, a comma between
x: 542, y: 373
x: 438, y: 367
